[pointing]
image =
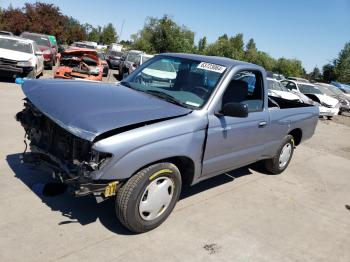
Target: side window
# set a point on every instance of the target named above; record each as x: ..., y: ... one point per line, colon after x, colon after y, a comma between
x: 246, y: 87
x: 290, y: 85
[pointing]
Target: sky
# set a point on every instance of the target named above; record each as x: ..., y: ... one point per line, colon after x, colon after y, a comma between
x: 313, y: 31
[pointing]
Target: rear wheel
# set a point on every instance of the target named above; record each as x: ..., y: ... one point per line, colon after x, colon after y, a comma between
x: 329, y: 117
x: 280, y: 161
x: 148, y: 198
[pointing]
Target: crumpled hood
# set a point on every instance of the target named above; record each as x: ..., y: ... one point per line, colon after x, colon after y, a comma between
x: 327, y: 99
x: 89, y: 109
x: 15, y: 55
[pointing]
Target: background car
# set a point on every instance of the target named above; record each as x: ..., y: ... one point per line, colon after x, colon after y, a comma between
x: 44, y: 44
x: 113, y: 58
x: 130, y: 59
x: 332, y: 91
x: 104, y: 62
x: 277, y: 89
x: 329, y: 106
x: 79, y: 63
x: 53, y: 42
x: 142, y: 58
x: 20, y: 57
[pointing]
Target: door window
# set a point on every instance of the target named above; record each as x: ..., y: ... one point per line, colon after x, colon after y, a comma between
x: 246, y: 87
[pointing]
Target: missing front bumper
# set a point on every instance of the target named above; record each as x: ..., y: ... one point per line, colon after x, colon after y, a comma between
x: 80, y: 185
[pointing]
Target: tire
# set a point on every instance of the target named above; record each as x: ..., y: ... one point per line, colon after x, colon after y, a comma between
x: 274, y: 165
x: 49, y: 65
x: 133, y: 198
x: 329, y: 117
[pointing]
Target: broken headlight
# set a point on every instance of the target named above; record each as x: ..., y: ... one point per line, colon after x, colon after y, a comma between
x: 99, y: 159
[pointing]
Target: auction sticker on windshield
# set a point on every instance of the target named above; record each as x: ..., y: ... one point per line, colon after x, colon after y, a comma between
x: 211, y: 67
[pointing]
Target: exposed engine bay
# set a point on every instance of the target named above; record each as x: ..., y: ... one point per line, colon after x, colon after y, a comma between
x: 69, y: 157
x: 79, y: 63
x: 83, y: 64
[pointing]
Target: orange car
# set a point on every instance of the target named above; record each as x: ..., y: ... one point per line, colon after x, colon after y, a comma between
x: 79, y: 63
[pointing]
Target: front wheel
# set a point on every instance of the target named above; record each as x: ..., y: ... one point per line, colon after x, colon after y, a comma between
x: 329, y: 117
x: 280, y: 161
x: 147, y: 199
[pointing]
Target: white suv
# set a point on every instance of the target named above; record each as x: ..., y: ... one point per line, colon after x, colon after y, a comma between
x: 20, y: 57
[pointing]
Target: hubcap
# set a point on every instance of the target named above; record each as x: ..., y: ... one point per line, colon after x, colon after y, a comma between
x: 285, y: 155
x: 156, y: 198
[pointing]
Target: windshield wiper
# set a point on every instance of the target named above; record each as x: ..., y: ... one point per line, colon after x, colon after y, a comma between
x: 166, y: 97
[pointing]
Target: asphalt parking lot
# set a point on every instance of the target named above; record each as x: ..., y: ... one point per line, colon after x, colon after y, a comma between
x: 247, y: 215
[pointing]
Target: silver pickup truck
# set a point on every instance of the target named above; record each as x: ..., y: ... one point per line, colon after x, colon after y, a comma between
x: 176, y: 120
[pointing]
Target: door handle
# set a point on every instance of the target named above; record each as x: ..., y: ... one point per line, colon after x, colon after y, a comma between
x: 262, y: 124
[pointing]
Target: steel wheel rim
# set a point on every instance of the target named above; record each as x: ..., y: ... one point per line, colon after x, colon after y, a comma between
x: 156, y: 198
x: 285, y: 155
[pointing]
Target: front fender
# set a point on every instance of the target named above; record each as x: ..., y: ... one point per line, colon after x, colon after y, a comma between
x: 189, y: 145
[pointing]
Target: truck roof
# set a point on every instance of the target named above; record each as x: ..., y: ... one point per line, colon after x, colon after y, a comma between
x: 227, y: 62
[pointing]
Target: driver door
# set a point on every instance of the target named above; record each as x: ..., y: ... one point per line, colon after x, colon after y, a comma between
x: 233, y: 141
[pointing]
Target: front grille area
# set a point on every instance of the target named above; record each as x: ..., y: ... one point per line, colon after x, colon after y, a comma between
x: 4, y: 61
x: 53, y: 139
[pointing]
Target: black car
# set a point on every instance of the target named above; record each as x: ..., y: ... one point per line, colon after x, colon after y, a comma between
x: 113, y: 59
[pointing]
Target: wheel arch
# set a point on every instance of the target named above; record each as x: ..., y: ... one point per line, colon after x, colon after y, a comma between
x: 297, y: 135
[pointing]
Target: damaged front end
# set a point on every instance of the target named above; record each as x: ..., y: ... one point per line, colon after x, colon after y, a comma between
x: 70, y: 158
x: 80, y: 64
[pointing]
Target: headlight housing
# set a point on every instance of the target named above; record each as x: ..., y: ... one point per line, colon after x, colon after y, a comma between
x: 28, y: 63
x: 326, y: 105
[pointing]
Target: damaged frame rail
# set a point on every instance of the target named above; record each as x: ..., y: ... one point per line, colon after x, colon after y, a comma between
x: 82, y: 185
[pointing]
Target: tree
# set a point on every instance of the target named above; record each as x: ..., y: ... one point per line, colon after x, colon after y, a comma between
x: 202, y: 45
x: 227, y: 47
x: 108, y: 34
x: 328, y: 73
x: 316, y: 74
x: 342, y: 64
x: 95, y: 35
x: 163, y: 35
x: 288, y: 67
x: 251, y: 53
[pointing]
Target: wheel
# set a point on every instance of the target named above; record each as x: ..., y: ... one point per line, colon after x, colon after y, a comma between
x: 280, y: 161
x: 50, y: 65
x: 329, y: 117
x: 148, y: 197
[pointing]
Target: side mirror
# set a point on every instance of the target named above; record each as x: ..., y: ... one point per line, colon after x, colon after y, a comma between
x: 38, y: 53
x: 235, y: 110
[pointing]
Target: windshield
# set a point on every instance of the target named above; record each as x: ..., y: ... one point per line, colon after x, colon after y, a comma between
x: 275, y: 85
x: 16, y: 45
x: 335, y: 90
x: 326, y: 90
x: 307, y: 89
x: 115, y: 53
x: 132, y: 57
x: 186, y: 82
x: 44, y: 41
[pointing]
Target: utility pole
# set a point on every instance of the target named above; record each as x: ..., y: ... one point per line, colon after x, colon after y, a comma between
x: 121, y: 30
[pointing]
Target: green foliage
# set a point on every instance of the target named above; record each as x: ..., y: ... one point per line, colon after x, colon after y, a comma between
x: 316, y: 74
x: 108, y: 34
x: 163, y: 35
x: 228, y: 47
x: 288, y: 67
x: 202, y: 45
x: 342, y: 64
x: 328, y: 73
